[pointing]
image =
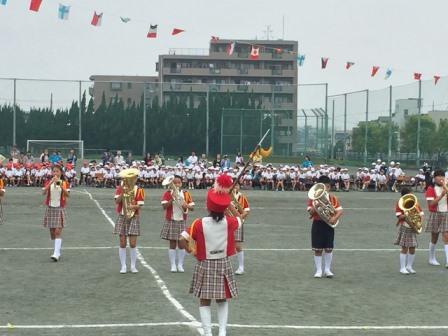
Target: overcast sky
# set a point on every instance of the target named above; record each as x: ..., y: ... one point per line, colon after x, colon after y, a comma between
x: 406, y: 35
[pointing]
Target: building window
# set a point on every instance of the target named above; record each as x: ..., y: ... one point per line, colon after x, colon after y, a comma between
x: 129, y: 86
x: 129, y: 101
x: 115, y: 86
x: 406, y: 112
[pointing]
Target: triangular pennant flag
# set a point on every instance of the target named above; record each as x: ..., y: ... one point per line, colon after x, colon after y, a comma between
x: 436, y: 79
x: 97, y: 18
x: 348, y: 65
x: 35, y: 5
x: 177, y: 31
x: 230, y: 48
x: 388, y: 74
x: 3, y: 2
x: 417, y: 76
x: 300, y: 60
x: 152, y: 33
x: 324, y: 61
x: 63, y: 12
x: 125, y: 19
x: 278, y: 50
x: 374, y: 70
x: 214, y: 39
x: 254, y: 53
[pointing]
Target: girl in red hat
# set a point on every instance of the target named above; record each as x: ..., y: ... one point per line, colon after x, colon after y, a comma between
x: 213, y: 277
x: 56, y: 191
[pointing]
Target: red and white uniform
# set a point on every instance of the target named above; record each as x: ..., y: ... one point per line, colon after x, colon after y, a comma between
x: 173, y: 211
x: 139, y: 198
x: 438, y: 213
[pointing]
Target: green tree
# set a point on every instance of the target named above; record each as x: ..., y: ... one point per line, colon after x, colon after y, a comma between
x: 427, y: 135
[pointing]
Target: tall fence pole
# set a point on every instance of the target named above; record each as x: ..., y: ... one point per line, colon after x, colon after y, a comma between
x: 272, y: 118
x: 14, y: 113
x: 389, y: 151
x: 241, y: 131
x: 366, y: 127
x: 80, y: 114
x: 305, y: 147
x: 207, y: 121
x: 344, y: 151
x: 418, y: 121
x: 326, y: 122
x: 144, y: 120
x: 332, y: 132
x: 222, y: 129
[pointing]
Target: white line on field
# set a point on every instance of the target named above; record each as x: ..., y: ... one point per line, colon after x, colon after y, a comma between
x: 75, y: 326
x: 359, y: 327
x: 160, y: 282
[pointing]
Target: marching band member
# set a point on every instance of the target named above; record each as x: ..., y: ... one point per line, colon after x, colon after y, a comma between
x: 243, y: 210
x: 213, y: 277
x: 56, y: 191
x: 438, y: 215
x: 176, y: 205
x: 406, y: 238
x: 322, y: 234
x: 128, y: 223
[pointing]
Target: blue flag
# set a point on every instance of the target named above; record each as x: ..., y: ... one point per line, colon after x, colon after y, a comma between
x: 388, y: 74
x: 300, y: 59
x: 63, y: 12
x: 3, y: 2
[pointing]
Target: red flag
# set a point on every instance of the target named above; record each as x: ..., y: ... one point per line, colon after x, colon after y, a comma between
x: 348, y: 65
x: 215, y: 39
x: 230, y: 48
x: 96, y: 20
x: 417, y: 76
x: 255, y: 53
x: 278, y: 50
x: 177, y: 31
x: 324, y: 61
x: 374, y: 70
x: 152, y: 33
x: 436, y: 79
x: 35, y: 5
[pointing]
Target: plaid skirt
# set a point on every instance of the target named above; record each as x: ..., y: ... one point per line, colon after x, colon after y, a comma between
x: 127, y: 227
x: 239, y: 234
x: 172, y: 229
x: 54, y: 218
x: 406, y: 237
x: 214, y: 279
x: 437, y: 222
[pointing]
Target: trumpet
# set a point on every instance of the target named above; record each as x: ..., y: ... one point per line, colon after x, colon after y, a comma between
x: 175, y: 193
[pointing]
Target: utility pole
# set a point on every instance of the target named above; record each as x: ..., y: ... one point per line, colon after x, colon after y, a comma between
x: 268, y: 32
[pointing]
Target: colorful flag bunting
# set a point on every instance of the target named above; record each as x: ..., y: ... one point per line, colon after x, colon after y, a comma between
x: 300, y: 60
x: 3, y: 2
x: 177, y: 31
x: 35, y: 5
x: 230, y: 48
x: 374, y: 70
x: 388, y: 73
x: 324, y: 61
x: 152, y: 33
x: 417, y: 76
x: 348, y: 65
x: 63, y: 12
x: 125, y: 19
x: 254, y: 53
x: 96, y: 20
x: 214, y: 39
x: 436, y: 79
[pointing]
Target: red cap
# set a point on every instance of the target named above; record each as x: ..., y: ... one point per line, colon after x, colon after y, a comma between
x: 217, y: 201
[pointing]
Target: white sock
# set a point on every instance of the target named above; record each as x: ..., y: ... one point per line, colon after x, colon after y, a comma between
x: 318, y: 263
x: 172, y: 255
x: 122, y: 254
x: 402, y: 260
x: 206, y: 319
x: 133, y: 257
x: 410, y: 263
x: 180, y: 257
x: 432, y: 251
x: 241, y: 259
x: 328, y: 259
x: 446, y: 253
x: 223, y: 313
x: 57, y: 246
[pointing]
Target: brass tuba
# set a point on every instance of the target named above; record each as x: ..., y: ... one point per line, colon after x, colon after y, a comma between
x: 321, y: 203
x: 408, y: 204
x: 128, y: 181
x: 168, y: 182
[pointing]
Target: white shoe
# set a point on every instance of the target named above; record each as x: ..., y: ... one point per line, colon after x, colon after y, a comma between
x: 173, y: 268
x: 123, y: 270
x: 55, y: 258
x: 239, y: 271
x: 404, y: 271
x: 329, y: 274
x: 318, y: 274
x: 434, y: 262
x: 180, y: 269
x: 411, y: 270
x: 134, y: 270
